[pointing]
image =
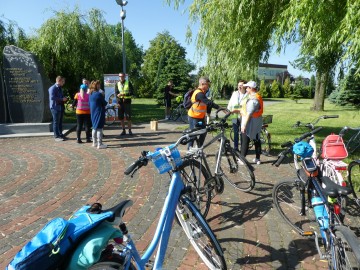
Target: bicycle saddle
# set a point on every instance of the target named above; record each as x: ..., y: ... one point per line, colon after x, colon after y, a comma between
x: 332, y: 189
x: 119, y: 209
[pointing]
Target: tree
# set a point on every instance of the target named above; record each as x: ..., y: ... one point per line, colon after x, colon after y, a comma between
x: 325, y: 30
x: 287, y: 88
x: 262, y: 89
x: 348, y: 92
x: 165, y: 60
x: 275, y: 89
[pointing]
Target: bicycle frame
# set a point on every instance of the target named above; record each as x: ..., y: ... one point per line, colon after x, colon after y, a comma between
x: 163, y: 229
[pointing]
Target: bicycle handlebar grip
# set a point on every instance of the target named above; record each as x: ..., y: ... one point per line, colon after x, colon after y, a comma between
x: 331, y: 116
x: 139, y: 163
x: 280, y: 159
x: 316, y: 130
x: 287, y: 144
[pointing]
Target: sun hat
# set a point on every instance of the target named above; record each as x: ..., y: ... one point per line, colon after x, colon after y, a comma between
x: 251, y: 84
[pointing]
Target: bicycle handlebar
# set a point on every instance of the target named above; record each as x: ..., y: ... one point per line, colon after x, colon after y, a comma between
x: 289, y: 146
x: 311, y: 125
x: 346, y: 128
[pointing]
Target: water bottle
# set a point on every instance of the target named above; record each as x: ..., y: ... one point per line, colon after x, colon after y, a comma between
x: 321, y: 214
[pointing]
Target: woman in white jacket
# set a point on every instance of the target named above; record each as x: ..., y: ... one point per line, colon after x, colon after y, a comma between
x: 234, y: 107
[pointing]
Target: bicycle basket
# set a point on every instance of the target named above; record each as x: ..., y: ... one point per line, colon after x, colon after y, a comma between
x: 267, y: 119
x: 161, y: 157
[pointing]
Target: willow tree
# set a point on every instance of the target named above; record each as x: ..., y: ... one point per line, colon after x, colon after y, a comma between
x: 237, y: 34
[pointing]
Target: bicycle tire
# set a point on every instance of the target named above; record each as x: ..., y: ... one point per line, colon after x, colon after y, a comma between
x: 354, y: 179
x: 345, y: 252
x: 240, y: 174
x: 354, y: 143
x: 265, y: 139
x: 174, y: 114
x: 200, y: 195
x: 201, y: 237
x: 287, y: 200
x: 110, y: 116
x: 184, y: 115
x: 232, y: 134
x: 110, y: 265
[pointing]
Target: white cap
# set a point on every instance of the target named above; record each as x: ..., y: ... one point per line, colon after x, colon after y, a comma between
x: 251, y: 84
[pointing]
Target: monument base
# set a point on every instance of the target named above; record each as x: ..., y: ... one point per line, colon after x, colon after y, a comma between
x: 31, y: 129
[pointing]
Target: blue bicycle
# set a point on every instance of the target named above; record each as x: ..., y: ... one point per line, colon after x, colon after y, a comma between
x: 177, y: 202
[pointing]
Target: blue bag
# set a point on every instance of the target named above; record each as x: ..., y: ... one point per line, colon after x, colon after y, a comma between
x: 48, y: 248
x: 303, y: 149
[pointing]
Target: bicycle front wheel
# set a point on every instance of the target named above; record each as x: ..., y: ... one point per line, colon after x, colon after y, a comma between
x: 237, y: 171
x: 194, y: 174
x: 354, y: 179
x: 345, y: 253
x: 174, y: 114
x: 287, y: 198
x: 184, y: 115
x: 110, y: 116
x: 200, y: 235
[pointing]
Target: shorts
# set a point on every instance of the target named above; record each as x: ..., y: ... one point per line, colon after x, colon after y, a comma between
x: 124, y: 111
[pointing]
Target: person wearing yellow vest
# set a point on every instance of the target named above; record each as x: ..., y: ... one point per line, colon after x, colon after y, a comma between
x: 234, y: 107
x: 83, y: 116
x: 124, y: 91
x: 201, y: 105
x: 251, y: 122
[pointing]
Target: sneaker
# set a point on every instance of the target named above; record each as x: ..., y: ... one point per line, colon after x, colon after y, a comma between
x: 102, y: 146
x: 94, y: 144
x: 62, y: 136
x: 130, y: 132
x: 88, y: 140
x: 59, y: 139
x: 257, y: 161
x: 79, y: 141
x: 123, y: 133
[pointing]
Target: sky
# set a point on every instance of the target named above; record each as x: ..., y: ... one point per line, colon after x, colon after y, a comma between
x: 144, y: 19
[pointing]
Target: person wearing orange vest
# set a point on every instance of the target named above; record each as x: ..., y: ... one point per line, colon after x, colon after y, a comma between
x: 251, y: 121
x: 201, y: 105
x: 83, y: 113
x: 124, y: 92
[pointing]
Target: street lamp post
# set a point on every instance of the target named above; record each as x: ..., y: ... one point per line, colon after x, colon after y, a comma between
x: 123, y: 16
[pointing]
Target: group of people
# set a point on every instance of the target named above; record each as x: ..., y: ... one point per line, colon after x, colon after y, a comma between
x: 246, y: 107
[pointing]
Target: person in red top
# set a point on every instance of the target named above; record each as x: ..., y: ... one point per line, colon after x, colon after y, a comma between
x: 83, y: 116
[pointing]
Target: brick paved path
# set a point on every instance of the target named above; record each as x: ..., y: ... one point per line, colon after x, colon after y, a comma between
x: 41, y: 179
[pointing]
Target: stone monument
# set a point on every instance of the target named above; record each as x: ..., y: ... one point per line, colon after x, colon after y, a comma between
x: 3, y: 113
x: 26, y: 87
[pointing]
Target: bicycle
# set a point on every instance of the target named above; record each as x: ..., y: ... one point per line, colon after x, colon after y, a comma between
x: 353, y: 143
x: 229, y: 165
x: 294, y: 198
x: 333, y: 168
x: 110, y: 114
x: 176, y: 203
x: 265, y: 136
x: 354, y: 179
x: 179, y: 112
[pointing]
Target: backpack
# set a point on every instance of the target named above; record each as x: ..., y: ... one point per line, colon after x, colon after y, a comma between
x: 187, y: 99
x: 49, y: 248
x: 333, y: 147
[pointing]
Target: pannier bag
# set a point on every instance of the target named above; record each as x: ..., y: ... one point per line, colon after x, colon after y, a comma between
x: 48, y: 248
x: 333, y: 147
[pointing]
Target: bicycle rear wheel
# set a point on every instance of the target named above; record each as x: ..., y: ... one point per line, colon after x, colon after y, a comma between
x: 354, y: 143
x: 174, y: 114
x: 287, y: 200
x: 194, y: 174
x: 345, y: 253
x: 237, y: 171
x: 354, y: 179
x: 184, y: 115
x: 200, y: 235
x: 110, y: 116
x: 265, y: 139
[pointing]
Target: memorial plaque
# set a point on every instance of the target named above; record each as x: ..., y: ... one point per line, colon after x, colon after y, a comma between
x: 3, y: 117
x: 26, y: 87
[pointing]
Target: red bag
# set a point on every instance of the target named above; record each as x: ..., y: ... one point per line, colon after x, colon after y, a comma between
x: 333, y: 147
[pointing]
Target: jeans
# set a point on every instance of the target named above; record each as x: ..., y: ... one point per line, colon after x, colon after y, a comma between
x: 83, y: 119
x: 245, y: 145
x: 236, y: 127
x: 195, y: 122
x: 57, y: 122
